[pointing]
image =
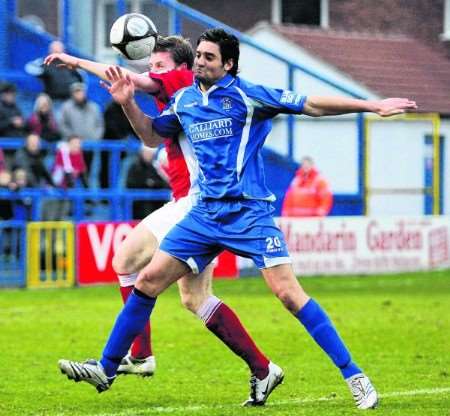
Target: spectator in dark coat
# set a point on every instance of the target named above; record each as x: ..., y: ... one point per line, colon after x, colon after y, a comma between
x: 6, y: 213
x: 144, y: 175
x: 6, y: 205
x: 57, y: 79
x: 12, y: 123
x: 30, y: 158
x: 22, y: 206
x: 117, y: 127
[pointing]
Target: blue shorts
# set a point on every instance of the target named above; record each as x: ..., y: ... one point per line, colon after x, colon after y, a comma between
x: 244, y: 227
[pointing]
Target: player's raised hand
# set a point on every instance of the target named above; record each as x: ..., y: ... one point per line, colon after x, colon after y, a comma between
x: 392, y: 106
x: 64, y: 60
x: 120, y: 86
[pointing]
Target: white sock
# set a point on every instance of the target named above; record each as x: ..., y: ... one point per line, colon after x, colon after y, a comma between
x: 127, y: 279
x: 208, y: 308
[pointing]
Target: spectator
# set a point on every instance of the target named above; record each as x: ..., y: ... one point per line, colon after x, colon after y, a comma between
x: 117, y: 127
x: 116, y: 123
x: 57, y: 79
x: 144, y: 175
x: 12, y: 123
x: 22, y: 207
x: 30, y: 158
x: 309, y: 194
x: 42, y: 121
x: 81, y: 117
x: 6, y: 213
x: 20, y: 179
x: 69, y: 169
x: 6, y: 205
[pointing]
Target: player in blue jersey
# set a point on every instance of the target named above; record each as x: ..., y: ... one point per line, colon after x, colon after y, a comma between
x: 226, y: 121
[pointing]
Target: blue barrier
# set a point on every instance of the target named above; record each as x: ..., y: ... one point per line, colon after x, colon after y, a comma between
x: 12, y: 253
x: 114, y: 147
x: 113, y: 203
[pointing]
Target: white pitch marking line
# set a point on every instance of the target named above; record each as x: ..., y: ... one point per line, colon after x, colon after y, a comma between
x: 419, y: 392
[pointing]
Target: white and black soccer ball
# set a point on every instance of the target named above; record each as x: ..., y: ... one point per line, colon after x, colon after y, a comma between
x: 134, y: 36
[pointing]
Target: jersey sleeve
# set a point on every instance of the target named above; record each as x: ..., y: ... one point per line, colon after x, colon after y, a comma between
x: 269, y: 102
x: 167, y: 124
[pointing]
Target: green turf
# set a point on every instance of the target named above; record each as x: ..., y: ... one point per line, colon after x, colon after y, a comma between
x: 398, y: 328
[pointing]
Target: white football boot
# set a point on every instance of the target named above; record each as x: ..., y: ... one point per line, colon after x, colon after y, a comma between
x: 144, y: 367
x: 363, y: 391
x: 261, y: 389
x: 90, y: 371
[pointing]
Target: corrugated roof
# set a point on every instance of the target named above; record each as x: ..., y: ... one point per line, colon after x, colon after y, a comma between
x: 389, y: 65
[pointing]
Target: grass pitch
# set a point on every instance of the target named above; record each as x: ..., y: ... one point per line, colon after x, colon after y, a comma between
x: 397, y: 327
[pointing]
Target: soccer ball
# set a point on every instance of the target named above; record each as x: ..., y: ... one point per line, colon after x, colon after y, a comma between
x: 134, y: 36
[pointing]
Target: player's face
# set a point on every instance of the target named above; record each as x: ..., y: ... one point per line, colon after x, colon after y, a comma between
x: 208, y: 66
x: 161, y: 62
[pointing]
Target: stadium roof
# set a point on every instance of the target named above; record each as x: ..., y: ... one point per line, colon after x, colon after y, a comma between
x: 389, y: 65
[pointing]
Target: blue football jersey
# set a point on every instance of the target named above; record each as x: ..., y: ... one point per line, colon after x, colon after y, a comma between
x: 227, y: 126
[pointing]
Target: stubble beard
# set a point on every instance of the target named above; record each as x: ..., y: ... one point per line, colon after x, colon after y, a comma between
x: 205, y: 82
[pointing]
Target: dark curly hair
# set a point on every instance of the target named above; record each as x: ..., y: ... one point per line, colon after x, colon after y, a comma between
x: 228, y: 44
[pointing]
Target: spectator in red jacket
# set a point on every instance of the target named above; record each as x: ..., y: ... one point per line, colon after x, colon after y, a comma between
x: 309, y: 194
x: 69, y: 169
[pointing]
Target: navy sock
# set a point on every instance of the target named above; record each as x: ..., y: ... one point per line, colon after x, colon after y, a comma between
x: 320, y: 327
x: 130, y: 322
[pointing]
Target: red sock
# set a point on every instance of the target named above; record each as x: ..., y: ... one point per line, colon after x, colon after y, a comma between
x: 225, y: 324
x: 142, y: 344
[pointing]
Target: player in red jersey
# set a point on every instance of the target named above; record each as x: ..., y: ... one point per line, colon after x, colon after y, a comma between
x: 170, y: 69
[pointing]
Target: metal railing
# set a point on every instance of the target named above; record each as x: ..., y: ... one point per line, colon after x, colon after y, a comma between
x: 112, y: 203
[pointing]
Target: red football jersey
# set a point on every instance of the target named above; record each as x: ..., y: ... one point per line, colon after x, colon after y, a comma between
x: 178, y: 172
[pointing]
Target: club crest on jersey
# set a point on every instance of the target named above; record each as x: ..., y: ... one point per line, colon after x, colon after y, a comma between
x: 226, y: 103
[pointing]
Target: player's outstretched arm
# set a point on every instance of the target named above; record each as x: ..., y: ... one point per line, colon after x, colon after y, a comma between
x: 141, y: 81
x: 316, y: 106
x: 122, y: 89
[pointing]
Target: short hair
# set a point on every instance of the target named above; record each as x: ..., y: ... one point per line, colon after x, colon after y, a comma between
x: 179, y: 47
x: 228, y: 44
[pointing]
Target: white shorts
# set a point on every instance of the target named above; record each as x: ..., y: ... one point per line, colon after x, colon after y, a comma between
x: 161, y: 221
